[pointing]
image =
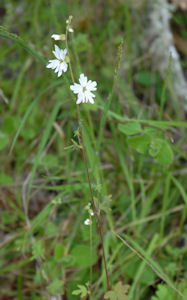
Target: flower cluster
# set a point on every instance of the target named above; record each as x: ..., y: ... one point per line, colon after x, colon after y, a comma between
x: 85, y: 87
x: 88, y: 221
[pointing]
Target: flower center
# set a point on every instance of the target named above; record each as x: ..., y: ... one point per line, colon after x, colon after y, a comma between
x: 84, y: 89
x: 61, y: 60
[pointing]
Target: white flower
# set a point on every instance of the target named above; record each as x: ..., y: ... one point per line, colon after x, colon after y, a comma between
x: 70, y: 29
x: 87, y: 222
x: 91, y: 213
x: 59, y: 64
x: 58, y: 37
x: 84, y: 90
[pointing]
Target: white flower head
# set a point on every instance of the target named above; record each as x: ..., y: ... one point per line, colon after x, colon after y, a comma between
x: 87, y: 222
x: 59, y: 64
x: 84, y: 90
x: 70, y: 29
x: 58, y: 37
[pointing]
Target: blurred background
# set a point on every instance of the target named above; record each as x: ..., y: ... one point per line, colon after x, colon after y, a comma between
x: 37, y: 153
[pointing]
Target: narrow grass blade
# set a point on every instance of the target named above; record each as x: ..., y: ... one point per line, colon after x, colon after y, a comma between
x: 29, y: 109
x: 43, y: 142
x: 11, y: 36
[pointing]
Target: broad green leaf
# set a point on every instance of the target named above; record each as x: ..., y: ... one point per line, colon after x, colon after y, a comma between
x: 140, y: 143
x: 130, y: 128
x: 82, y: 256
x: 165, y: 155
x: 155, y: 147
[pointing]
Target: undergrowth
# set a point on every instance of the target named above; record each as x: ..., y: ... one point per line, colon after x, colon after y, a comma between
x: 119, y: 163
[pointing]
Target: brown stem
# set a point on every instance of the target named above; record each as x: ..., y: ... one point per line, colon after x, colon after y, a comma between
x: 81, y: 141
x: 99, y: 227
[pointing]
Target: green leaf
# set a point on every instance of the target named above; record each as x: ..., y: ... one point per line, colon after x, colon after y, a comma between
x: 82, y: 256
x: 29, y: 110
x: 119, y: 292
x: 5, y: 179
x: 140, y: 142
x: 145, y: 78
x: 37, y: 250
x: 59, y: 251
x: 9, y: 125
x: 155, y: 147
x: 50, y: 229
x: 165, y: 292
x: 165, y: 155
x: 82, y: 291
x: 4, y: 33
x: 56, y: 287
x: 43, y: 141
x: 130, y: 128
x: 3, y: 140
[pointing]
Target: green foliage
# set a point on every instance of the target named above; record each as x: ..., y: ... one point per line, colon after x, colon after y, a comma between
x: 140, y: 142
x: 59, y: 251
x: 145, y: 78
x: 5, y: 179
x: 149, y: 141
x: 83, y: 290
x: 137, y: 174
x: 162, y: 151
x: 81, y: 253
x: 56, y: 287
x: 164, y: 292
x: 4, y: 140
x: 38, y: 250
x: 130, y: 128
x: 119, y: 292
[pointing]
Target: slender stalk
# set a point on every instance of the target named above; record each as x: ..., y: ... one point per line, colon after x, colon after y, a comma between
x: 82, y: 144
x: 91, y: 245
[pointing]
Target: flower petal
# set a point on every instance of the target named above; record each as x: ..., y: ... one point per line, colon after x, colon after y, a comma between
x: 76, y: 88
x: 91, y: 85
x: 53, y: 63
x: 83, y: 80
x: 56, y: 52
x: 89, y: 97
x: 59, y: 72
x: 81, y: 98
x: 63, y: 66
